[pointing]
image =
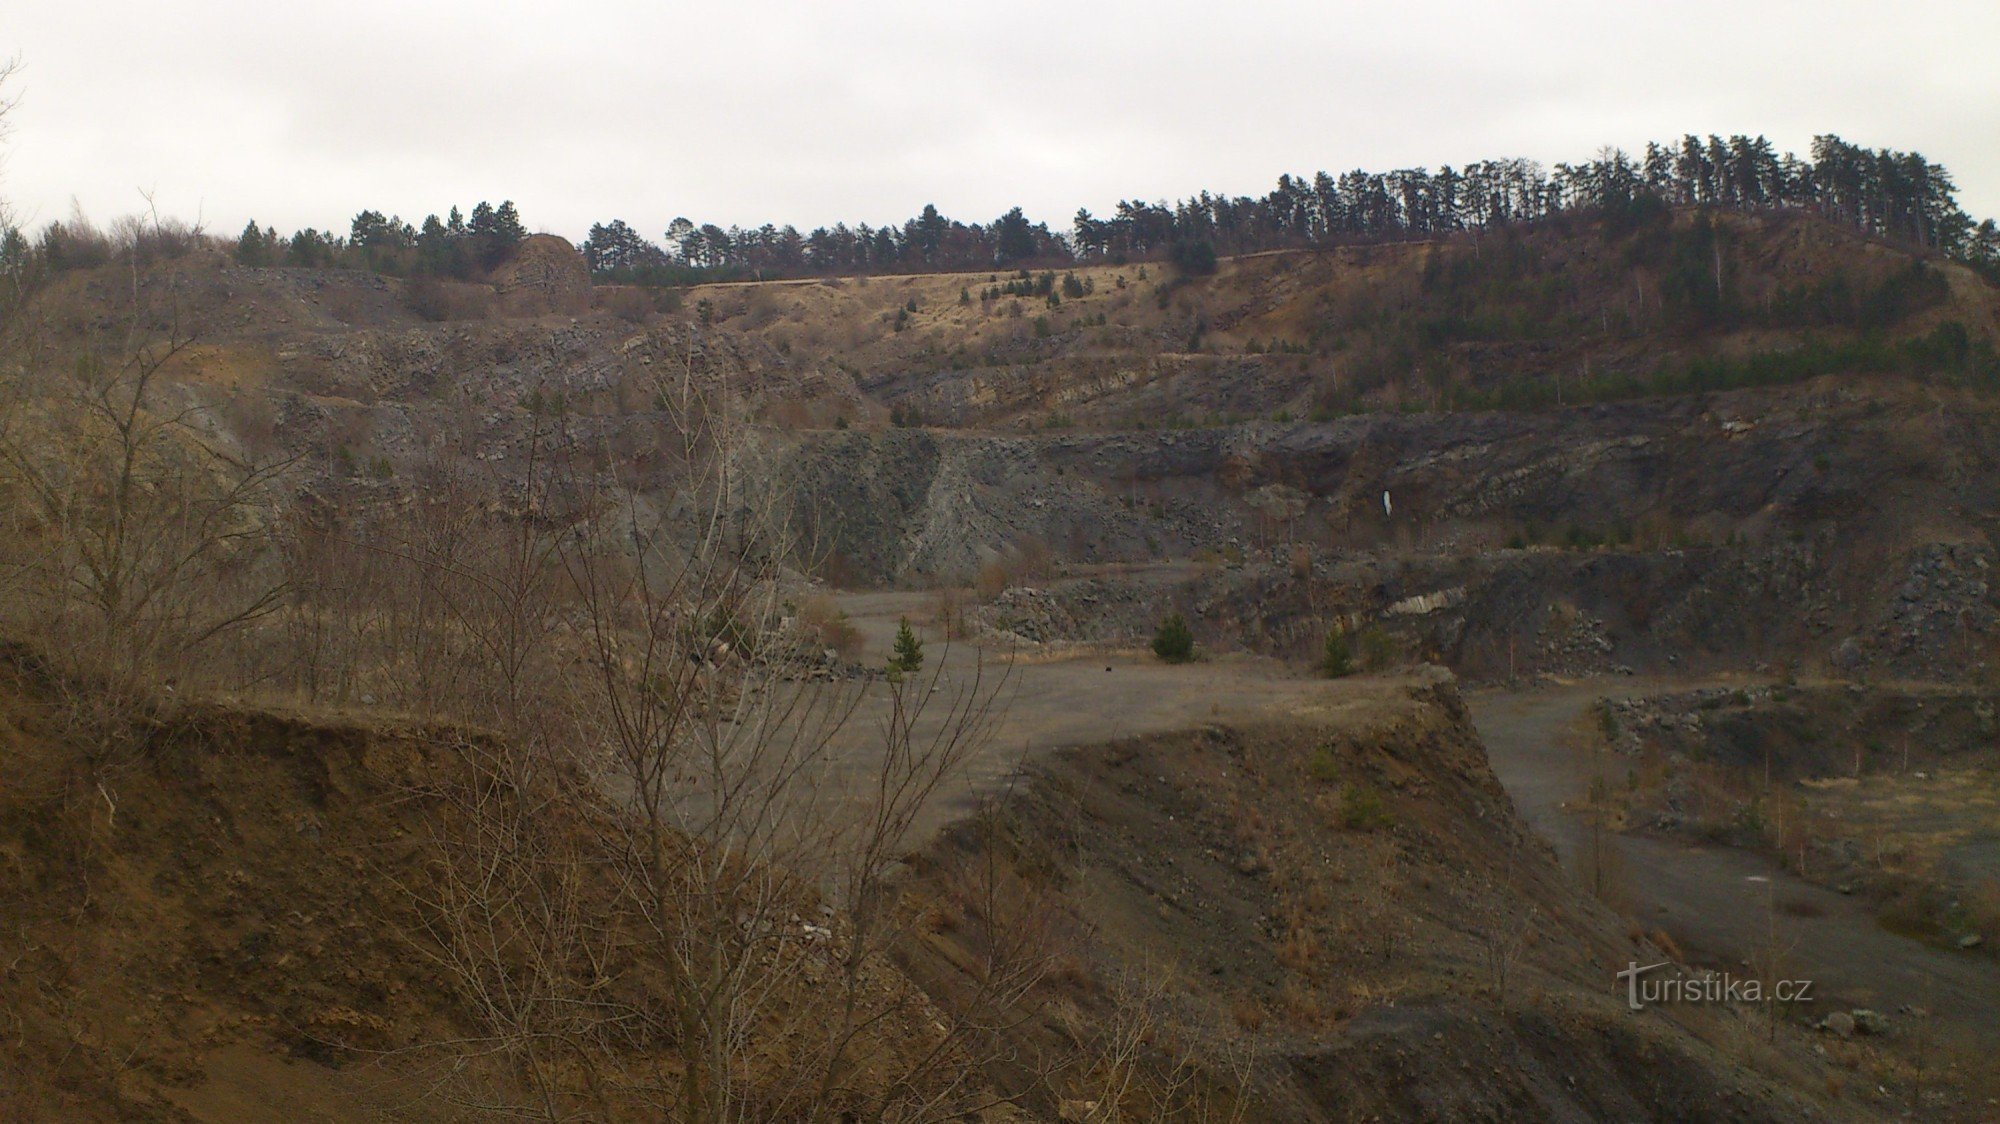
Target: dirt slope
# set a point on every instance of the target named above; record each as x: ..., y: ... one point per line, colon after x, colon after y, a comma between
x: 232, y: 913
x: 211, y: 925
x: 1302, y: 912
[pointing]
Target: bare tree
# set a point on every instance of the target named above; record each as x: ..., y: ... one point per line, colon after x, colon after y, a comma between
x: 139, y: 540
x: 700, y: 850
x: 1148, y: 1059
x: 9, y: 67
x: 1505, y: 932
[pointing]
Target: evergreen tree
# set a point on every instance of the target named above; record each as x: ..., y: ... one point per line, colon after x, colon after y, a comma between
x: 1193, y: 256
x: 252, y: 248
x: 616, y: 248
x: 369, y: 230
x: 908, y: 658
x: 1014, y: 239
x: 495, y: 232
x: 1174, y: 641
x: 14, y: 250
x: 927, y: 231
x: 1337, y: 661
x: 507, y: 224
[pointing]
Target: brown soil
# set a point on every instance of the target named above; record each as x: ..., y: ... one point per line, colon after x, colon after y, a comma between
x: 209, y: 929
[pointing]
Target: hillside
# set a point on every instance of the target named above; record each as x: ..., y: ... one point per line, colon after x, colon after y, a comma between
x: 1566, y: 310
x: 489, y: 678
x: 1335, y: 914
x: 1846, y: 477
x: 1558, y: 311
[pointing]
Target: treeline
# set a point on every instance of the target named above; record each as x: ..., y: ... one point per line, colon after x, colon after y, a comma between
x: 78, y: 243
x: 1891, y: 194
x: 447, y: 247
x: 1899, y: 195
x: 928, y: 243
x: 451, y: 247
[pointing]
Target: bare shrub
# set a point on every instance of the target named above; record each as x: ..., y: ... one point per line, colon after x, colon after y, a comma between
x: 949, y: 612
x: 830, y: 626
x: 137, y: 546
x: 1031, y: 558
x: 134, y: 553
x: 993, y: 580
x: 1151, y: 1058
x: 146, y: 239
x: 1505, y: 932
x: 1600, y: 854
x: 1028, y: 558
x: 440, y: 299
x: 630, y: 304
x: 664, y: 876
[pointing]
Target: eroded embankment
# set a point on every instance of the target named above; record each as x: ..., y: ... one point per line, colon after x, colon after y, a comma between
x: 214, y: 912
x: 1326, y: 916
x: 201, y: 922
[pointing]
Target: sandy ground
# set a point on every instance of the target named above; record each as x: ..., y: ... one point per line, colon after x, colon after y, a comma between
x: 1717, y: 902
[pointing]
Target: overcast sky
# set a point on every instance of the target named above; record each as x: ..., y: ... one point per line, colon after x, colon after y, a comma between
x: 301, y: 113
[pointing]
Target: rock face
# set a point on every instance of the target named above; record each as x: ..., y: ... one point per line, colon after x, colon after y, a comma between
x: 546, y: 275
x: 1843, y: 521
x: 1641, y: 535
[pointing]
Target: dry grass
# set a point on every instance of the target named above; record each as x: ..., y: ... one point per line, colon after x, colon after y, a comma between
x: 1079, y: 651
x: 1920, y: 816
x: 1248, y: 1014
x: 1668, y: 945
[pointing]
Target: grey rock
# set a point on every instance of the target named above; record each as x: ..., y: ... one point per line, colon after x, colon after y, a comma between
x: 1869, y: 1022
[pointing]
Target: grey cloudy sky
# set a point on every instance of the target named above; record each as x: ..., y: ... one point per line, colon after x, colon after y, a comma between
x: 301, y: 113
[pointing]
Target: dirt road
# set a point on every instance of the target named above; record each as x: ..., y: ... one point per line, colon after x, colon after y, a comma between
x: 1042, y: 703
x: 1721, y: 903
